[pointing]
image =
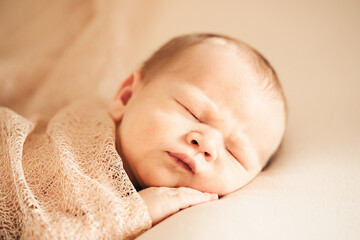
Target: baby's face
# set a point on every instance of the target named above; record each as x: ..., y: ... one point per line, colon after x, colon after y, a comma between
x: 202, y: 123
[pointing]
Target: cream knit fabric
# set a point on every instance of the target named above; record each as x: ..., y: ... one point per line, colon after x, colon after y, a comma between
x: 63, y: 178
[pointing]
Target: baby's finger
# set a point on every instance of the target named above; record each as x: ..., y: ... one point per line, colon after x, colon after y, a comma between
x: 187, y: 197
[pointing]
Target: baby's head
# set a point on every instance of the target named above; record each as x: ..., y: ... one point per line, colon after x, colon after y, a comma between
x: 204, y: 111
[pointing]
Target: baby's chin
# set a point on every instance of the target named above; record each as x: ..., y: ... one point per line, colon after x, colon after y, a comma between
x: 220, y: 190
x: 225, y: 190
x: 166, y: 179
x: 208, y: 189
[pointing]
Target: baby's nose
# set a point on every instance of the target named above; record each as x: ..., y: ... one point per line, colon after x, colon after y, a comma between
x: 204, y: 144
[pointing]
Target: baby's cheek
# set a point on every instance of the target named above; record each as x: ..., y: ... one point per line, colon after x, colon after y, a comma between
x: 163, y: 125
x: 158, y: 176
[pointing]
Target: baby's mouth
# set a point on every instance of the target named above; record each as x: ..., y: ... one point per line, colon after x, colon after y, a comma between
x: 184, y: 161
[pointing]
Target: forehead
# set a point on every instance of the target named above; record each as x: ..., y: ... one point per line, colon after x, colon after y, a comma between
x: 222, y: 74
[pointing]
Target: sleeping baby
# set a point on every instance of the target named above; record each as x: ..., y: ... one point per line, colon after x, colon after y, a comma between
x: 199, y: 120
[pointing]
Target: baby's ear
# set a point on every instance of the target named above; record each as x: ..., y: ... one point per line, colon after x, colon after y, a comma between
x: 123, y: 95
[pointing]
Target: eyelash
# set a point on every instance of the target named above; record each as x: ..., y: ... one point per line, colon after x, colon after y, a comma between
x: 192, y: 114
x: 230, y: 152
x: 188, y: 110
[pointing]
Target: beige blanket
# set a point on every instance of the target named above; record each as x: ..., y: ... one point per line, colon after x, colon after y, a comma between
x: 64, y: 179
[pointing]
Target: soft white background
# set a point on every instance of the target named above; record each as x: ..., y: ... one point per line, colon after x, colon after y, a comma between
x: 312, y: 189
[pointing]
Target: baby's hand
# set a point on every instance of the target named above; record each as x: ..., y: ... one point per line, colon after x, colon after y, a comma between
x: 163, y: 201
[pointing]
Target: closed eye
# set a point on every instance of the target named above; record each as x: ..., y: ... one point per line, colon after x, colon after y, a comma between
x: 187, y: 110
x: 230, y: 153
x: 227, y: 149
x: 237, y: 159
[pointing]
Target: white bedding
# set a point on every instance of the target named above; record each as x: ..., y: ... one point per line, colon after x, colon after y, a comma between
x: 312, y: 188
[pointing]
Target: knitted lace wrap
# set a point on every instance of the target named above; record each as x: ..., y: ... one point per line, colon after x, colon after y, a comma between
x: 63, y: 178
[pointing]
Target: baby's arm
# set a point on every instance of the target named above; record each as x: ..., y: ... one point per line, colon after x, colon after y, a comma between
x: 163, y: 201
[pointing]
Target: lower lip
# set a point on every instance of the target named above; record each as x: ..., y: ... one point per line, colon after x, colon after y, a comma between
x: 180, y: 163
